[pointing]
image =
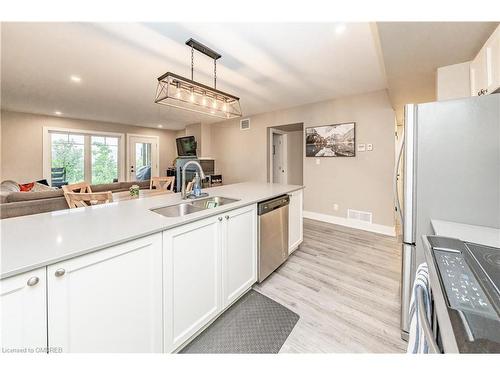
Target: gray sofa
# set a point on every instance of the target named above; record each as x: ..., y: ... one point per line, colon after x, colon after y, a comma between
x: 14, y: 203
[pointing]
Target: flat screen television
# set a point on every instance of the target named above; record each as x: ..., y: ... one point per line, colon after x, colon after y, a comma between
x: 186, y: 146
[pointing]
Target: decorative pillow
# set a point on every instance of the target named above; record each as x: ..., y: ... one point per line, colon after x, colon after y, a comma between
x: 9, y: 186
x: 37, y: 187
x: 26, y: 187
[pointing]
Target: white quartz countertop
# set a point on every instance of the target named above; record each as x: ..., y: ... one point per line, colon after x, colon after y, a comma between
x: 471, y: 233
x: 34, y: 241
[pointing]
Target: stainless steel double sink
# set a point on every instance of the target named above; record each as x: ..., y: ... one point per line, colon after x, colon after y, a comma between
x: 189, y: 207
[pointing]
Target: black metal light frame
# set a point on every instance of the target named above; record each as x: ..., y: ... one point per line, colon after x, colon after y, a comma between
x: 172, y: 89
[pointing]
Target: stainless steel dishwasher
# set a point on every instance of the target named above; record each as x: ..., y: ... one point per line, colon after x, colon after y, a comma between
x: 273, y: 234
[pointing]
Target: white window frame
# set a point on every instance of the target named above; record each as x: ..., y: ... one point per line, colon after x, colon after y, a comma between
x: 47, y: 150
x: 130, y: 153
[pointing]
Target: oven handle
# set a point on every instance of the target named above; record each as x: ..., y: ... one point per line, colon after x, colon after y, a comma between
x: 428, y: 333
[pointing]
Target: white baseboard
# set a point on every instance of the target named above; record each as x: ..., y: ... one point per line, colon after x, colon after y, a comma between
x: 377, y: 228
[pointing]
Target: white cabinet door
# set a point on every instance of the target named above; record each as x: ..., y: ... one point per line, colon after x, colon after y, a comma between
x: 485, y: 68
x: 239, y: 253
x: 295, y: 221
x: 192, y: 269
x: 492, y: 47
x: 23, y: 307
x: 109, y: 300
x: 478, y: 73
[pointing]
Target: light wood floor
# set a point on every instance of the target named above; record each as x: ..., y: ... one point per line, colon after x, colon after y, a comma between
x: 344, y: 284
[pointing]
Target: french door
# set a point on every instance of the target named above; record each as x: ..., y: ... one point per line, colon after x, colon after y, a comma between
x: 143, y: 157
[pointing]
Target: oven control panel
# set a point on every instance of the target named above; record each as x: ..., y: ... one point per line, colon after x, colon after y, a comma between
x: 462, y: 288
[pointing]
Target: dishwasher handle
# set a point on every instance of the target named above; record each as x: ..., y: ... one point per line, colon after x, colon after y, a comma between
x: 272, y: 204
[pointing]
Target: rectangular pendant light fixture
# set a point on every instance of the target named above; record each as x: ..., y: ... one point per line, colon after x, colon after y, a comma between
x: 183, y: 93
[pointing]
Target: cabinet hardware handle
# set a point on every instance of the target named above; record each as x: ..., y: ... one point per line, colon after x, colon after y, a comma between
x: 220, y: 218
x: 32, y: 281
x: 227, y: 217
x: 60, y: 272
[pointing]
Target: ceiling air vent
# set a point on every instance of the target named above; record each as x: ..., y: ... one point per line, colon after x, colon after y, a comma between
x: 245, y: 124
x: 359, y: 215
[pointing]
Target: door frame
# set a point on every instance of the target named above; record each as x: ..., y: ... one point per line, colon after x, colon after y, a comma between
x: 127, y: 166
x: 273, y: 131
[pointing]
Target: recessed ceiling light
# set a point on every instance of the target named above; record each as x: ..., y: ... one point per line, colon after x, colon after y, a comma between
x: 75, y: 79
x: 340, y: 28
x: 58, y: 113
x: 160, y: 125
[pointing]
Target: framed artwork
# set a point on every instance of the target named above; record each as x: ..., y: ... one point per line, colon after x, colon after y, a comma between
x: 336, y: 140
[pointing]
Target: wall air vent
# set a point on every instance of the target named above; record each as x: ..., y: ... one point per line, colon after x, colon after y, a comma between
x: 245, y: 124
x: 359, y: 215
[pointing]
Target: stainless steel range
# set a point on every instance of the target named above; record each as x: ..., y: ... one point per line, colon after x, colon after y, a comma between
x: 465, y: 280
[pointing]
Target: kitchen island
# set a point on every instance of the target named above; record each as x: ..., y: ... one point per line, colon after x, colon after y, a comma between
x: 122, y: 278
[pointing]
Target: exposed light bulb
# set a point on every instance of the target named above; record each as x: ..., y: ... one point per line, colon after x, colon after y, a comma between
x: 214, y: 103
x: 75, y: 79
x: 58, y: 113
x: 191, y: 97
x: 340, y: 28
x: 224, y: 107
x: 204, y: 100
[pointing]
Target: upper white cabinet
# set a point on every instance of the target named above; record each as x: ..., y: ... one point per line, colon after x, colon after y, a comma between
x: 478, y: 74
x: 109, y: 300
x: 23, y: 307
x: 485, y: 68
x: 493, y: 61
x: 453, y: 81
x: 192, y: 277
x: 295, y: 221
x: 239, y: 255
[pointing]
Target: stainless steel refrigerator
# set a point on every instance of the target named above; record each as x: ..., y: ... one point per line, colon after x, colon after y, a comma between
x: 451, y: 171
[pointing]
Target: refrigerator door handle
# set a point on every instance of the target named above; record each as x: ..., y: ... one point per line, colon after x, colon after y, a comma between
x: 409, y: 173
x: 396, y: 173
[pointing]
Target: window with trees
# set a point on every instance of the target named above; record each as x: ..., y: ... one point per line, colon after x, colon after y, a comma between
x: 76, y: 157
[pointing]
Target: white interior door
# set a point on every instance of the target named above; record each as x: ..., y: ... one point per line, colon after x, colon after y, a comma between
x: 142, y: 152
x: 279, y: 158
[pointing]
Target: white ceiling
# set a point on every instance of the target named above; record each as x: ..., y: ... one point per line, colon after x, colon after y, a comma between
x: 269, y: 66
x: 412, y: 52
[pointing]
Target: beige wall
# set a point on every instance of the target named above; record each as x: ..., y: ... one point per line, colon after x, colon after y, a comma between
x: 21, y: 137
x: 363, y: 182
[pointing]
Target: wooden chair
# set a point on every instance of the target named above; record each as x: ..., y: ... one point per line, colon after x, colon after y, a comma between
x: 163, y: 183
x: 58, y: 177
x: 88, y: 199
x: 80, y: 187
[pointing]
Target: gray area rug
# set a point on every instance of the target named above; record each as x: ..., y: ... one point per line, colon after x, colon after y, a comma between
x: 254, y: 324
